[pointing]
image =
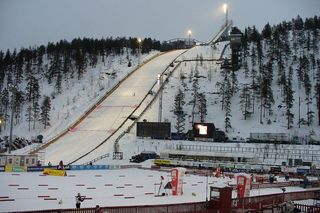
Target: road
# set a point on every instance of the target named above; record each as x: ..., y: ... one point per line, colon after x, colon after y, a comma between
x: 109, y: 115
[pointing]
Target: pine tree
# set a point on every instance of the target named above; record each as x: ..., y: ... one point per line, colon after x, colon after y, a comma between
x: 178, y: 111
x: 289, y: 98
x: 245, y: 101
x: 45, y: 112
x: 227, y: 108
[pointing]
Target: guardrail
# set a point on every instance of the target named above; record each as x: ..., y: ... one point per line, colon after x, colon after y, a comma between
x: 248, y: 204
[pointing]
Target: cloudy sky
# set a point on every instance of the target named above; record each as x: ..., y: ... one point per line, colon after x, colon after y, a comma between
x: 25, y: 23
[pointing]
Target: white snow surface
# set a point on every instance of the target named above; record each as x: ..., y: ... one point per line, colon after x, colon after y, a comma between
x: 102, y: 185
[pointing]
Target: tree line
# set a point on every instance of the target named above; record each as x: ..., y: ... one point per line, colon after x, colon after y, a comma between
x: 21, y: 73
x: 281, y: 54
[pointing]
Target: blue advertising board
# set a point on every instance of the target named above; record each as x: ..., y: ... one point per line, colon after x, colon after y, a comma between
x: 89, y: 167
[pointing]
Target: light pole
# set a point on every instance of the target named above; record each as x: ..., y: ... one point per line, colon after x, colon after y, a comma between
x: 160, y: 97
x: 189, y: 34
x: 225, y: 9
x: 139, y: 50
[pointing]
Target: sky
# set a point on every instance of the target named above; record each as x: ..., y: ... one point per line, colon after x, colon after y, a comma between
x: 35, y: 22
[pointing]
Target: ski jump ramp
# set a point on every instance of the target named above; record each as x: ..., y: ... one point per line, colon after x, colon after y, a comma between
x: 109, y: 115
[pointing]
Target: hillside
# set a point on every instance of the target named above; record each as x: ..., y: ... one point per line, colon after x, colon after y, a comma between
x: 56, y: 84
x: 276, y: 90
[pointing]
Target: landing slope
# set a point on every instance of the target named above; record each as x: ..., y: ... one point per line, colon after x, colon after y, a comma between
x: 110, y: 114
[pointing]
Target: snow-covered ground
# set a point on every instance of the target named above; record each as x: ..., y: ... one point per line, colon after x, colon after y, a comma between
x: 105, y: 188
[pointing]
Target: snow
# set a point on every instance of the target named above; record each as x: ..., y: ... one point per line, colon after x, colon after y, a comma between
x: 102, y: 186
x: 110, y: 114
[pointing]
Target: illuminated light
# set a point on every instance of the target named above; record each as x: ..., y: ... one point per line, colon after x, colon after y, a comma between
x: 203, y: 130
x: 225, y: 8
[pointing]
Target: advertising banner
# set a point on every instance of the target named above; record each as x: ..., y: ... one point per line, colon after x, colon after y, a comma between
x: 10, y: 168
x: 54, y: 172
x: 177, y: 175
x: 244, y: 182
x: 89, y: 167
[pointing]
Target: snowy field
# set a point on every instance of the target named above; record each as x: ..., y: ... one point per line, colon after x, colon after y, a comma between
x: 33, y: 191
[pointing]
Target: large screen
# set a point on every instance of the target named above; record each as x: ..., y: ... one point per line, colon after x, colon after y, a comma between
x: 154, y: 130
x: 203, y: 130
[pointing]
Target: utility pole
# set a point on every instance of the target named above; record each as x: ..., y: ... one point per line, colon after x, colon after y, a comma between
x: 160, y: 79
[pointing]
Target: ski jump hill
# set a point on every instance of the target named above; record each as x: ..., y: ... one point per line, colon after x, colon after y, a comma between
x: 93, y: 132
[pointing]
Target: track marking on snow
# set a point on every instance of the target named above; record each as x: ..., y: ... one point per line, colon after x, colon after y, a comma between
x: 43, y: 196
x: 80, y: 184
x: 53, y: 188
x: 128, y: 197
x: 23, y: 188
x: 108, y: 184
x: 9, y: 199
x: 118, y: 195
x: 13, y: 185
x: 42, y: 184
x: 49, y: 198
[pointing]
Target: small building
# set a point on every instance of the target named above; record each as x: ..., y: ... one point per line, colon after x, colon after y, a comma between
x: 18, y: 160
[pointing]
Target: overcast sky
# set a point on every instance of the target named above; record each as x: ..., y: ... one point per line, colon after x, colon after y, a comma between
x: 25, y: 23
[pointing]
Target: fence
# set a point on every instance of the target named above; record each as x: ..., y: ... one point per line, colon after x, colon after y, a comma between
x: 262, y: 203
